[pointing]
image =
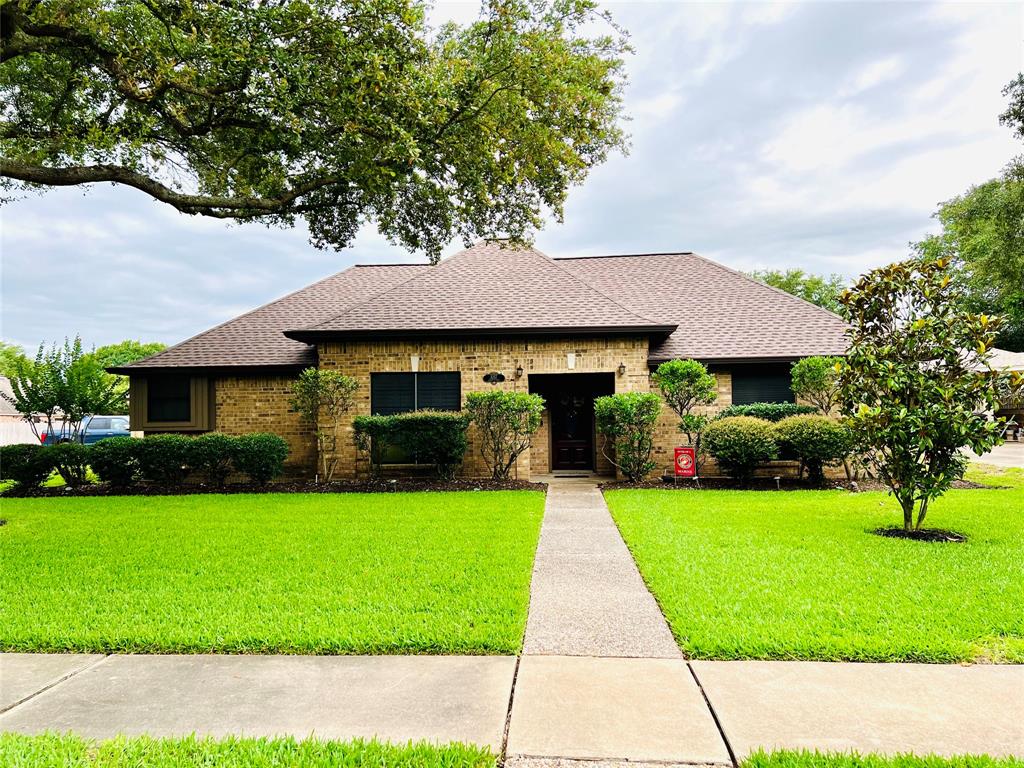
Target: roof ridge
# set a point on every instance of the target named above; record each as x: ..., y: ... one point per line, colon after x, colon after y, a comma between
x: 755, y: 281
x: 593, y: 287
x: 622, y: 255
x: 253, y: 311
x: 383, y: 293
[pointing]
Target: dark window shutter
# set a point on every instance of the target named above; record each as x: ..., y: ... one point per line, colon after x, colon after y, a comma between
x: 439, y: 391
x: 761, y: 387
x: 392, y: 393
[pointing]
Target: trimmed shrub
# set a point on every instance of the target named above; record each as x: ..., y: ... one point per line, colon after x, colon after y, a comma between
x: 373, y: 436
x: 115, y: 460
x: 427, y: 437
x: 260, y: 455
x: 71, y: 460
x: 767, y: 411
x: 628, y: 420
x: 740, y: 444
x: 815, y: 440
x: 432, y: 437
x: 164, y: 459
x: 27, y: 465
x: 210, y: 454
x: 504, y: 423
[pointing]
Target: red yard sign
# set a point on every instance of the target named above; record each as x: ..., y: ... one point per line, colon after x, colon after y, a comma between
x: 686, y: 463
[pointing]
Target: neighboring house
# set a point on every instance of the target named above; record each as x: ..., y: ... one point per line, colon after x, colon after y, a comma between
x: 13, y: 428
x: 1010, y: 408
x: 419, y: 336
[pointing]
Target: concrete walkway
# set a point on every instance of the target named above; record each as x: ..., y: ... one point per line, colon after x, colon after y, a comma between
x: 601, y: 681
x: 587, y: 597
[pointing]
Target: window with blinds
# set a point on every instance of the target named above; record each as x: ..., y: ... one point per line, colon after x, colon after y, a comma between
x: 392, y: 393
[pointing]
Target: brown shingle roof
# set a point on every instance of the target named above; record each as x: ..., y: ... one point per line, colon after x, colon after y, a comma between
x: 489, y: 288
x: 721, y: 314
x: 257, y: 339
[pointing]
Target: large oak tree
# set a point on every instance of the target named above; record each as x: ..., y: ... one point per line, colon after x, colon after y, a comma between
x: 336, y: 111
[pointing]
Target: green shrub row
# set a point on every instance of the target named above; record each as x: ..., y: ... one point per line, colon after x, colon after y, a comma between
x: 158, y: 459
x: 767, y: 411
x: 426, y: 437
x: 740, y: 444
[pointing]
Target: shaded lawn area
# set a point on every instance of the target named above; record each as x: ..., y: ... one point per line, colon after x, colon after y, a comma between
x: 269, y: 573
x: 800, y: 575
x: 807, y: 759
x: 69, y: 751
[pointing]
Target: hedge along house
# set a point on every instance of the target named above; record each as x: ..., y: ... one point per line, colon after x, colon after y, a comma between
x: 420, y: 336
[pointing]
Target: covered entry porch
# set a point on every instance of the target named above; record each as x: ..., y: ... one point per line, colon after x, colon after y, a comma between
x: 567, y: 442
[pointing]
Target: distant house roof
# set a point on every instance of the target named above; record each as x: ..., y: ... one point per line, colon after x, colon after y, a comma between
x: 1004, y: 360
x: 687, y: 305
x: 6, y: 408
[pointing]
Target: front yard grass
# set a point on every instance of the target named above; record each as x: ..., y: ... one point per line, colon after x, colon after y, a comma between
x: 70, y: 751
x: 269, y: 573
x: 800, y: 575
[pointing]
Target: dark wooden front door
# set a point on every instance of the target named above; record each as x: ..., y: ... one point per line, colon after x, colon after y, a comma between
x: 572, y: 431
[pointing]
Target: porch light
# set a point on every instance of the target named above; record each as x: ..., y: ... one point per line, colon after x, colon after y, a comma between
x: 519, y: 371
x: 622, y: 369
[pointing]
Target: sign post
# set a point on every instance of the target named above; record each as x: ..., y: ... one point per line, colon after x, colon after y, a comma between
x: 685, y: 462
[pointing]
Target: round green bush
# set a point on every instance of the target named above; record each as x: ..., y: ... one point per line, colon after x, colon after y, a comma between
x: 433, y: 437
x: 71, y: 460
x: 27, y: 465
x: 164, y: 459
x: 210, y: 454
x: 740, y: 444
x: 815, y: 440
x: 115, y: 460
x: 260, y: 455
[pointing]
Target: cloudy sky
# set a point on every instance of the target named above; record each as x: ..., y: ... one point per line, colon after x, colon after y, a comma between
x: 818, y: 135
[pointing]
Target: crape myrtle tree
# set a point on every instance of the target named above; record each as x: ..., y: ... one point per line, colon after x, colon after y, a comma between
x: 685, y: 384
x: 915, y: 384
x: 627, y: 421
x: 338, y: 112
x: 816, y: 380
x: 322, y: 397
x: 61, y: 388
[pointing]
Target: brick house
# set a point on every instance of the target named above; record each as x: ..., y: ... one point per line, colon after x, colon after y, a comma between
x: 420, y: 336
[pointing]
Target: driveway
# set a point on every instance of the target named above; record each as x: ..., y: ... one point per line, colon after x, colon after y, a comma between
x: 1010, y: 454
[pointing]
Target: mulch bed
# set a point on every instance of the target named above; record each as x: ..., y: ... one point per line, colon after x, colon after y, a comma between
x: 719, y: 483
x: 925, y: 534
x: 286, y: 486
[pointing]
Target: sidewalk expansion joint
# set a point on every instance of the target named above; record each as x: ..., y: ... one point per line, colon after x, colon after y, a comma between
x: 714, y: 715
x: 54, y: 684
x: 508, y: 714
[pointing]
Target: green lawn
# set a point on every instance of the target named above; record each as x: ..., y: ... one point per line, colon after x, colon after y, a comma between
x: 69, y: 751
x: 269, y: 573
x: 799, y: 575
x: 805, y: 759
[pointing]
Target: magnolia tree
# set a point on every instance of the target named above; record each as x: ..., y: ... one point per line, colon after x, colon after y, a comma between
x: 322, y: 398
x: 685, y: 384
x: 505, y: 423
x: 916, y: 384
x: 61, y: 389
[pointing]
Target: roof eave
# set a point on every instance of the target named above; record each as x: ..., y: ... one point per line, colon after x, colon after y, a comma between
x: 221, y: 368
x: 738, y: 359
x: 312, y: 336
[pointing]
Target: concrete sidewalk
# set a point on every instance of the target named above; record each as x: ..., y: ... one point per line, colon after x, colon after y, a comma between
x: 567, y: 708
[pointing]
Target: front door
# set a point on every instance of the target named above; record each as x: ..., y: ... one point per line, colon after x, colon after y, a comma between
x: 572, y: 421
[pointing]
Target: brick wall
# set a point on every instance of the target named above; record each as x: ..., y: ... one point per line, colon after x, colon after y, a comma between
x: 260, y: 404
x: 474, y: 358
